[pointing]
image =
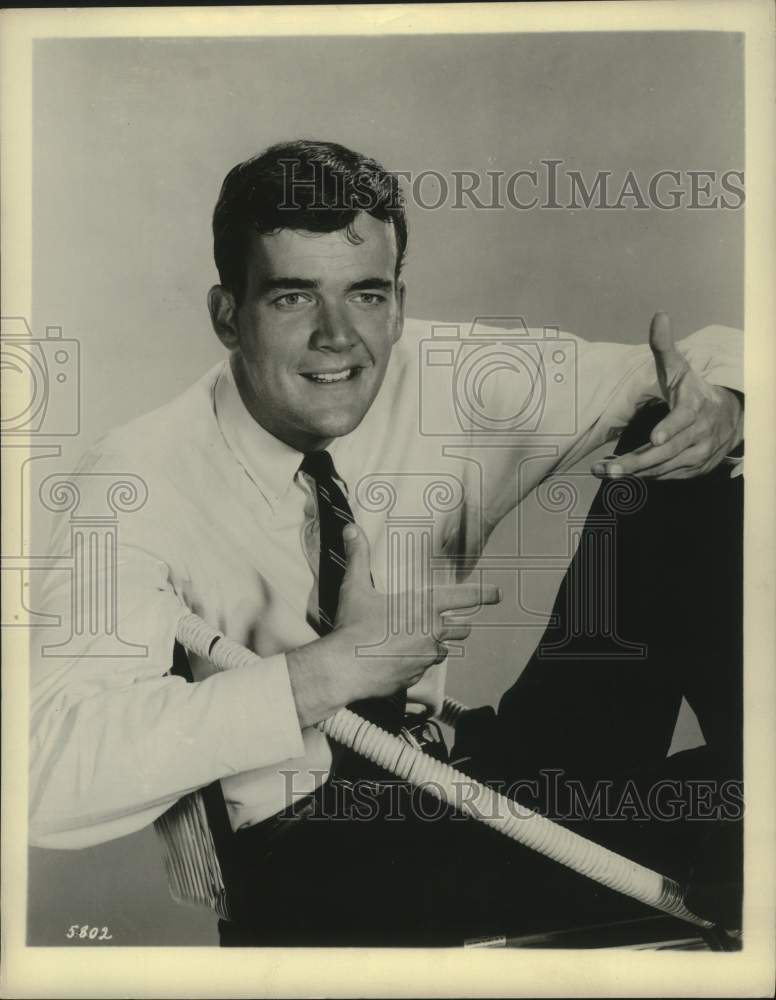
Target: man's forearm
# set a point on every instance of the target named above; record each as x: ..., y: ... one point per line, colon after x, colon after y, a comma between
x: 317, y: 694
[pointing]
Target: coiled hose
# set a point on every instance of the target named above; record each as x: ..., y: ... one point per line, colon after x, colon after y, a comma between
x: 527, y: 827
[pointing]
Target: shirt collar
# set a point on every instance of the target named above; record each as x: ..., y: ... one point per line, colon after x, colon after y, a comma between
x: 271, y: 464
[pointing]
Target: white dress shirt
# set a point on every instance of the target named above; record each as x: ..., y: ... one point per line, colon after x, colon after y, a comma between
x: 228, y: 531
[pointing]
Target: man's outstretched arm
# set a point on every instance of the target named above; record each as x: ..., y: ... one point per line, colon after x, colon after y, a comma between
x: 589, y: 399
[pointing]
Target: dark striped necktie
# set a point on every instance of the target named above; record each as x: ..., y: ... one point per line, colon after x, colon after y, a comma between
x: 333, y: 514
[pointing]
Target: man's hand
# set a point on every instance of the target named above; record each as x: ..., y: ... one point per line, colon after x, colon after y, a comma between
x: 338, y: 669
x: 705, y: 423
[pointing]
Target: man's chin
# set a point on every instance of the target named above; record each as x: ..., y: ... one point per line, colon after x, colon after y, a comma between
x: 338, y: 426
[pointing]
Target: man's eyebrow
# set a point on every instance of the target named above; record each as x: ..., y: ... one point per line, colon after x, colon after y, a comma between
x: 273, y: 284
x: 384, y: 284
x: 268, y: 285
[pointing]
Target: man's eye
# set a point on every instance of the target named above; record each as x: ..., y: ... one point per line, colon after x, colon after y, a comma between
x: 369, y: 298
x: 291, y: 300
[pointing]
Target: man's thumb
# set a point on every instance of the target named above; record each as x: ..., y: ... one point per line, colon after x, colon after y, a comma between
x: 661, y: 334
x: 667, y: 357
x: 357, y: 554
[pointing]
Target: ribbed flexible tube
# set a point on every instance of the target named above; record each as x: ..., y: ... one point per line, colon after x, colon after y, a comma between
x: 464, y: 793
x: 451, y: 711
x: 509, y: 817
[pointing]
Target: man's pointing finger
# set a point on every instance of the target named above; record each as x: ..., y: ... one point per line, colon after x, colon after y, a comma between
x: 465, y: 595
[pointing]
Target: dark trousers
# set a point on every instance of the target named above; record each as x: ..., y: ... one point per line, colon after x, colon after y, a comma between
x: 672, y: 584
x: 394, y: 867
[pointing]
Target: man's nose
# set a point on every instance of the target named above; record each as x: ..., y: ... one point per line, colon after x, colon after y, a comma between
x: 332, y: 331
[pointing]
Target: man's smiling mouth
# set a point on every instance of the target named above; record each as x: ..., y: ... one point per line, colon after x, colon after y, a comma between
x: 330, y: 378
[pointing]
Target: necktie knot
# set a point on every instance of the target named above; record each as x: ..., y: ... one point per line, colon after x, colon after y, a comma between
x: 319, y: 465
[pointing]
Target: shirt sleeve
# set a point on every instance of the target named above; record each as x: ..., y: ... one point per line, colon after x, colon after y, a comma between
x: 115, y: 740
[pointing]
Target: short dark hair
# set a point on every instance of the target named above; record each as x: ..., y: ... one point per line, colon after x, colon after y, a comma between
x: 303, y: 185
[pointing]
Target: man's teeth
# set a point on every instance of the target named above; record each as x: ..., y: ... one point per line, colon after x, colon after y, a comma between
x: 331, y: 376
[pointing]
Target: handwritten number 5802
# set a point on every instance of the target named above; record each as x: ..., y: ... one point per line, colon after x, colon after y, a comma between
x: 84, y: 931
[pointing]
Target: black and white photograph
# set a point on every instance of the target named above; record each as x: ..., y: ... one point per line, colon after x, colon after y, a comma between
x: 379, y: 389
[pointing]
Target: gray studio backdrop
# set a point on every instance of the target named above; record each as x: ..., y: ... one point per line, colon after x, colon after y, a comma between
x: 132, y: 139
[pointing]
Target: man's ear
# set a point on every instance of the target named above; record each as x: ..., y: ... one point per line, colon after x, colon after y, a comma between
x: 223, y: 316
x: 401, y: 295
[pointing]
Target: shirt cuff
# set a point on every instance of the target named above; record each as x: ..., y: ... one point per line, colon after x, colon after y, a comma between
x: 736, y: 465
x: 736, y: 457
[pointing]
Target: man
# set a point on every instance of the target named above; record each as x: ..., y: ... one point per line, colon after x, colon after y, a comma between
x: 251, y: 475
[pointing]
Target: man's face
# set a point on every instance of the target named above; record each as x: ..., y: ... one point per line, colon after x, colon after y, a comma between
x: 313, y: 335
